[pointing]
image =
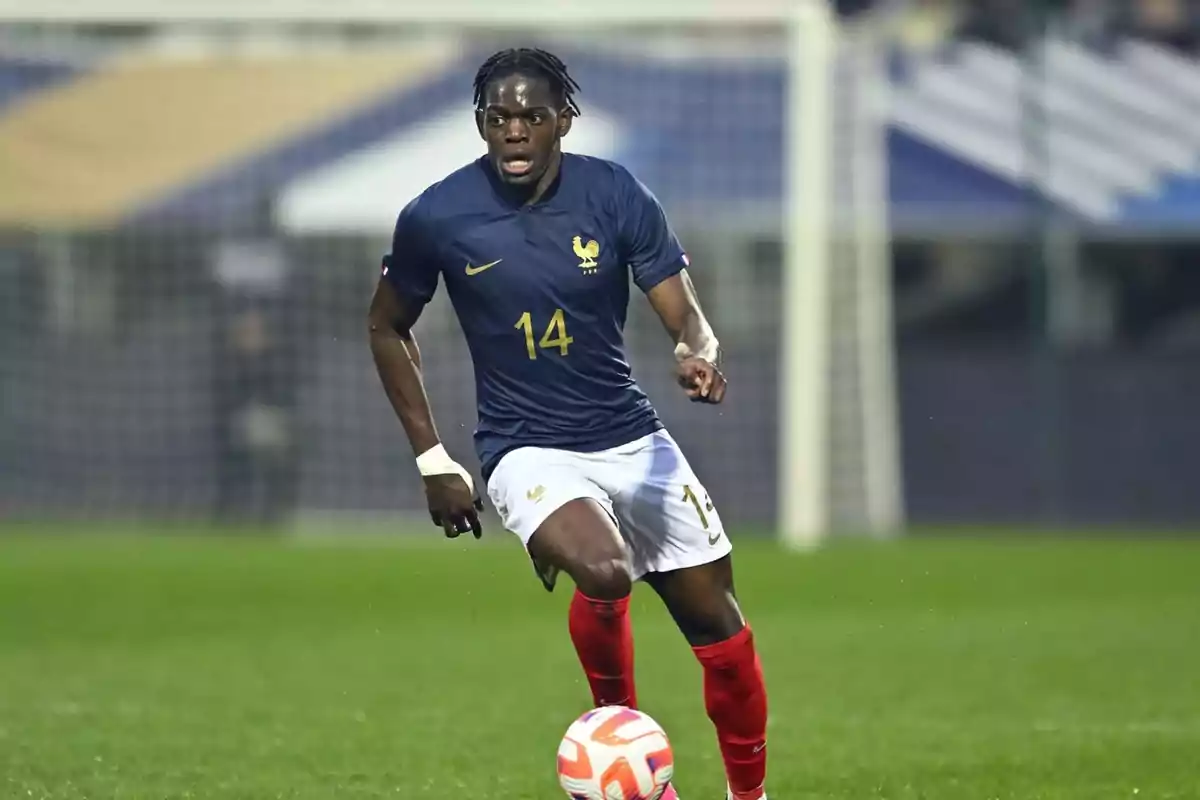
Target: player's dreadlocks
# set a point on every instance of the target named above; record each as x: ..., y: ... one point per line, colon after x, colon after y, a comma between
x: 547, y: 65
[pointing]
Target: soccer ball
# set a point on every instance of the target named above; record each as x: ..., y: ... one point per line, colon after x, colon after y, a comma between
x: 615, y: 753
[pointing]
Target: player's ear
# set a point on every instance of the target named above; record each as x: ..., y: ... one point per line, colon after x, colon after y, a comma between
x: 564, y: 122
x: 479, y: 123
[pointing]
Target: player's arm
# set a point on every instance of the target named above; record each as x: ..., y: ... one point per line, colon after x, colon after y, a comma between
x: 658, y: 264
x: 697, y: 350
x: 408, y: 281
x: 398, y: 361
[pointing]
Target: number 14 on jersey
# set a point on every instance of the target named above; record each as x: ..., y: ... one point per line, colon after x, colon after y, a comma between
x: 554, y: 337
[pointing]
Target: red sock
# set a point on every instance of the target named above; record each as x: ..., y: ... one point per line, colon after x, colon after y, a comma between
x: 736, y: 700
x: 603, y: 639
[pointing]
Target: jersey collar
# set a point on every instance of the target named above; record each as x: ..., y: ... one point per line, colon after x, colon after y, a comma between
x: 513, y: 198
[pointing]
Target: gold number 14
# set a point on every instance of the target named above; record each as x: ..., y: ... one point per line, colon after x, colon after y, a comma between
x: 689, y: 496
x: 555, y: 335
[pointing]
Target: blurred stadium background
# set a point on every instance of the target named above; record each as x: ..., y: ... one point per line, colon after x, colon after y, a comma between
x: 950, y: 247
x: 192, y: 211
x: 192, y: 216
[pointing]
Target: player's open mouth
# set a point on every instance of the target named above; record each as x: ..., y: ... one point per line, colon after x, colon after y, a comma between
x: 517, y: 165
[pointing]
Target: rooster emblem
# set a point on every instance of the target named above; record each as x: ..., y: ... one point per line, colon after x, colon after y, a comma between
x: 587, y: 254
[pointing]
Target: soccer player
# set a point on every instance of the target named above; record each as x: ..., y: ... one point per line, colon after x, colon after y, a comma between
x: 537, y: 248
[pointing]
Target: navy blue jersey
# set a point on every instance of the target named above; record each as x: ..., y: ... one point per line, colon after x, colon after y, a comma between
x: 541, y: 293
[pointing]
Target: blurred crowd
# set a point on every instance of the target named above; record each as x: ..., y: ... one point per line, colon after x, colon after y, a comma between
x: 1011, y: 23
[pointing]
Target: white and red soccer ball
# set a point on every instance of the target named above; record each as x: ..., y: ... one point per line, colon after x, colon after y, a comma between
x: 615, y: 753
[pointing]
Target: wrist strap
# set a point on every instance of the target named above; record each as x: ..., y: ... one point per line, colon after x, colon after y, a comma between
x: 710, y: 351
x: 436, y: 461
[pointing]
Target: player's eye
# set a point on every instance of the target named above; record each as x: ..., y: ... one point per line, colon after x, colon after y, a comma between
x: 495, y: 120
x: 537, y: 118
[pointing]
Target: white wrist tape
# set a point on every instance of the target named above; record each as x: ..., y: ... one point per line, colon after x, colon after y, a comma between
x: 436, y: 461
x: 709, y: 350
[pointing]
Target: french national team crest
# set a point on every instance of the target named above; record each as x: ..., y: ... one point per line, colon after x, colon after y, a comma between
x: 588, y: 253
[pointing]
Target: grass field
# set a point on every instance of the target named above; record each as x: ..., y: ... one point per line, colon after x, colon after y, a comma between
x: 182, y: 667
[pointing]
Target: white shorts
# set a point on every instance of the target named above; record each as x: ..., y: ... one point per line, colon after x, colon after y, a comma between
x: 647, y: 486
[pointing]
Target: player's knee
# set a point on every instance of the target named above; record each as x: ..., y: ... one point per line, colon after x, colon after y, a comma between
x: 608, y: 578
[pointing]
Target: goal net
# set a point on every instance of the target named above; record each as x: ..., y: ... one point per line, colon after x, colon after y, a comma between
x: 194, y: 202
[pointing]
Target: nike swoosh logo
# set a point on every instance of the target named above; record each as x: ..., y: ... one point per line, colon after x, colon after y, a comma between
x: 476, y: 270
x: 716, y: 537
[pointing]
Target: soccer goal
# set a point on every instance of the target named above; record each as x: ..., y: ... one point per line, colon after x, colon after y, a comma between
x: 760, y: 125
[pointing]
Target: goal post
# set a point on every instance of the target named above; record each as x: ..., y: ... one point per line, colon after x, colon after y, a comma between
x: 882, y: 504
x: 804, y: 508
x: 838, y: 466
x: 848, y: 283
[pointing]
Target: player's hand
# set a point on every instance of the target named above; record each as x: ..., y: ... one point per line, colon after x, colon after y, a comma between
x: 453, y: 506
x: 701, y: 380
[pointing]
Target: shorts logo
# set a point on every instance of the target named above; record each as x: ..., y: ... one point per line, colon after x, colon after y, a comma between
x: 536, y: 494
x: 714, y: 538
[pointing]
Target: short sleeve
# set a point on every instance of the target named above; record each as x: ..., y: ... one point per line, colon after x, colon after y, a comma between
x: 411, y: 266
x: 648, y: 244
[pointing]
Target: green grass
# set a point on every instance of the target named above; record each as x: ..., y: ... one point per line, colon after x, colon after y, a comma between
x: 182, y: 667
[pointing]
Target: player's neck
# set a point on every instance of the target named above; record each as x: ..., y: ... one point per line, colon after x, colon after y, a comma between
x: 529, y: 195
x: 547, y: 180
